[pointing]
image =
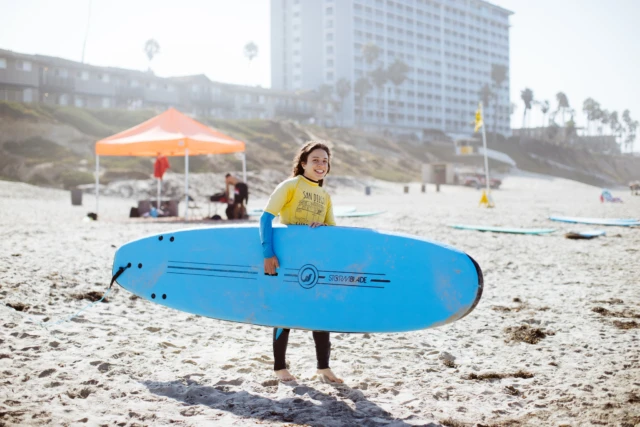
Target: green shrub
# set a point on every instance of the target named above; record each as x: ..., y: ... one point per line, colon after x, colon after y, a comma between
x: 18, y: 110
x: 141, y: 164
x: 38, y: 148
x: 72, y: 178
x: 122, y: 119
x: 83, y: 121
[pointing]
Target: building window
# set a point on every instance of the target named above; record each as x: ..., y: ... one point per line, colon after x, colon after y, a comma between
x: 64, y: 99
x: 23, y: 65
x: 329, y: 23
x: 3, y: 63
x: 330, y: 75
x: 329, y: 11
x: 329, y: 62
x: 78, y: 102
x: 329, y: 49
x: 27, y: 95
x: 84, y: 75
x: 106, y: 103
x: 329, y: 37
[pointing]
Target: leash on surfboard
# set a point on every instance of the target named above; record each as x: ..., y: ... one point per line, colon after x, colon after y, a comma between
x: 113, y: 279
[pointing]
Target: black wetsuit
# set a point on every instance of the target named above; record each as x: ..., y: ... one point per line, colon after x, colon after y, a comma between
x: 323, y: 348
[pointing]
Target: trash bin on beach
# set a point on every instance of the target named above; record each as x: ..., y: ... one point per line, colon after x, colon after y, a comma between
x: 367, y: 190
x: 76, y: 197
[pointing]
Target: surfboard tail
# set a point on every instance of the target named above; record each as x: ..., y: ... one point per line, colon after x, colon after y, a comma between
x: 480, y: 287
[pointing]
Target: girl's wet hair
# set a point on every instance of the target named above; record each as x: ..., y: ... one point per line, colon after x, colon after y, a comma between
x: 303, y: 155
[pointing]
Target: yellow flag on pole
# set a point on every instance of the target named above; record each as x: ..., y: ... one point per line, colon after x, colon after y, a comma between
x: 479, y: 122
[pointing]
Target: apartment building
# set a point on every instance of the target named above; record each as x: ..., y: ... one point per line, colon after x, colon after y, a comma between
x: 449, y: 47
x: 51, y: 80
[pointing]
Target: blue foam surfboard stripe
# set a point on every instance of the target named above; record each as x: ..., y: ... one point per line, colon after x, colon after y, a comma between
x: 330, y: 278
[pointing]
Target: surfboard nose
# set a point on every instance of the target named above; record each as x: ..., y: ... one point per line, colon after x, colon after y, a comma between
x: 480, y: 286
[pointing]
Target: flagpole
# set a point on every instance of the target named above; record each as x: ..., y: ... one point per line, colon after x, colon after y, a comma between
x: 484, y: 145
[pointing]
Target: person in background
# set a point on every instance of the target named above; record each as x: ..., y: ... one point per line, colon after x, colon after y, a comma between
x: 237, y: 197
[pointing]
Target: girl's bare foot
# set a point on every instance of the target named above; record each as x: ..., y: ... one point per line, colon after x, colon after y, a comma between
x: 329, y: 376
x: 284, y: 375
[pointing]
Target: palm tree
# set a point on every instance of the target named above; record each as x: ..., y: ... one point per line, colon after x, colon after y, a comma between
x: 498, y: 75
x: 485, y: 95
x: 527, y: 97
x: 590, y: 107
x: 324, y: 94
x: 563, y: 104
x: 371, y: 52
x: 614, y: 123
x: 250, y: 51
x: 397, y: 74
x: 631, y: 126
x: 151, y: 48
x: 379, y: 77
x: 343, y: 89
x: 604, y: 117
x: 544, y: 109
x: 361, y: 89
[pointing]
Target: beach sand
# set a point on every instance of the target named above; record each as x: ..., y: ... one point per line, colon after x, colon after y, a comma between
x: 554, y: 340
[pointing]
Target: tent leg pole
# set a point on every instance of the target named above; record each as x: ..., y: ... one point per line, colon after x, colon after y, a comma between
x: 97, y: 182
x: 244, y: 166
x: 186, y: 183
x: 158, y: 196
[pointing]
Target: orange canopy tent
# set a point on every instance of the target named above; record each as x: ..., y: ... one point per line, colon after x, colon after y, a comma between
x: 171, y: 134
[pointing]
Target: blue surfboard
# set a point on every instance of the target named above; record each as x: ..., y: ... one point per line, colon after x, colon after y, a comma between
x: 503, y: 229
x: 620, y: 222
x: 587, y: 234
x: 330, y: 278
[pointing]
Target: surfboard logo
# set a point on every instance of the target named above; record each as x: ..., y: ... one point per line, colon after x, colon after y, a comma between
x: 308, y: 276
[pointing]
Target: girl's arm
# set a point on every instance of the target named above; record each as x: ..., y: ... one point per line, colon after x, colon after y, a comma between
x: 330, y: 219
x: 266, y: 234
x: 266, y: 238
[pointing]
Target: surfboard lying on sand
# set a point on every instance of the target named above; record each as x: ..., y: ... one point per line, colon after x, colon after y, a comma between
x: 503, y: 229
x: 620, y: 222
x: 330, y: 278
x: 588, y: 234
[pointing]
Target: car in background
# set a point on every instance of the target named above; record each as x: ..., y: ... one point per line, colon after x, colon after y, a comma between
x: 478, y: 180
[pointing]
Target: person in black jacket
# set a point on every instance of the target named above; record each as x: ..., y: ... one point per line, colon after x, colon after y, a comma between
x: 237, y: 196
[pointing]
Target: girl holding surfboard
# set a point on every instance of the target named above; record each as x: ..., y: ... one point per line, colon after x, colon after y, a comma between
x: 299, y: 200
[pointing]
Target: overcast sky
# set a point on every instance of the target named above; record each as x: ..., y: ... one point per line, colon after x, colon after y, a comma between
x: 585, y: 48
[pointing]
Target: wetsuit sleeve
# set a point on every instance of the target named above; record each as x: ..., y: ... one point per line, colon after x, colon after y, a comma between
x: 280, y: 196
x: 329, y: 218
x: 266, y: 234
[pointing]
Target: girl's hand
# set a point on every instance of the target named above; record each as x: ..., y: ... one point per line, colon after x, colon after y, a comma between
x: 316, y: 224
x: 270, y: 265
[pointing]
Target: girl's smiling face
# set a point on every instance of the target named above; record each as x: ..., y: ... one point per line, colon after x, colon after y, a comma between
x: 317, y: 165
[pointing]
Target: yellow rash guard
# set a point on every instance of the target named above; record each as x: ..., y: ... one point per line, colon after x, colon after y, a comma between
x: 300, y: 201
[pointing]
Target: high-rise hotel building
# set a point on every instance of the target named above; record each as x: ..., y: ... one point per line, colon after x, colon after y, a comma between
x: 448, y: 45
